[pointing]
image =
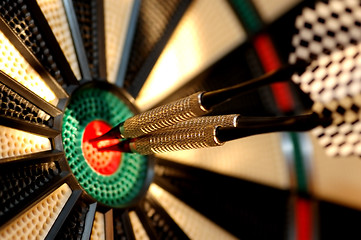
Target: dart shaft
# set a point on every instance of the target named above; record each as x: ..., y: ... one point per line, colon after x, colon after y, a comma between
x: 215, y: 97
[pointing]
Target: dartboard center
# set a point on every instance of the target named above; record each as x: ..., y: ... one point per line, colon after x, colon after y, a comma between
x: 102, y: 162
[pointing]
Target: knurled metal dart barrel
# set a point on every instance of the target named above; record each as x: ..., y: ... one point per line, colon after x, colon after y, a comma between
x: 145, y: 144
x: 167, y: 141
x: 157, y: 118
x: 220, y: 120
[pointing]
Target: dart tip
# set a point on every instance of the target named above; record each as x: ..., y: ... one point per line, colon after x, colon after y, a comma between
x: 99, y: 138
x: 113, y: 133
x: 122, y: 146
x: 109, y: 148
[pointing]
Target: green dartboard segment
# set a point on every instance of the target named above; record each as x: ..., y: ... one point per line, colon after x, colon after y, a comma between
x: 121, y: 187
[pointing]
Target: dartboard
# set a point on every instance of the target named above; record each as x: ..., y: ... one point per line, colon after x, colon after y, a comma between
x: 70, y: 70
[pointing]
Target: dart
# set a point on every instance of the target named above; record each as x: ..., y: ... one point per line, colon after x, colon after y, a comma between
x: 196, y: 136
x: 194, y: 105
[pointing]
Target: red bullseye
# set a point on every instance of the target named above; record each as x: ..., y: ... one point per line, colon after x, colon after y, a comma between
x: 103, y: 162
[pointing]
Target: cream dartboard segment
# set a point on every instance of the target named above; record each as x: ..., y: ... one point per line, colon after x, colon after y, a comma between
x: 14, y: 105
x: 13, y: 64
x: 206, y: 33
x: 55, y: 15
x: 16, y: 142
x: 139, y: 231
x: 98, y: 231
x: 45, y: 212
x: 118, y: 16
x: 192, y: 226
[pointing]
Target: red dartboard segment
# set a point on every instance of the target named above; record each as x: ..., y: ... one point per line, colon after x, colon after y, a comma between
x: 270, y: 62
x: 103, y: 162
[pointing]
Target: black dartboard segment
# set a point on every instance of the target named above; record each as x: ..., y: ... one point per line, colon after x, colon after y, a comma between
x: 15, y: 106
x: 91, y: 21
x: 74, y: 226
x: 157, y: 20
x: 24, y: 186
x: 337, y: 221
x: 205, y: 191
x: 27, y: 22
x: 122, y: 226
x: 156, y: 220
